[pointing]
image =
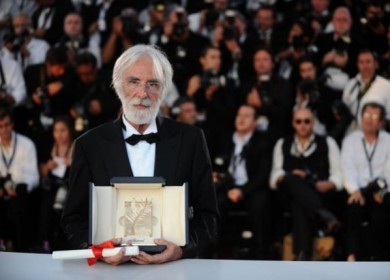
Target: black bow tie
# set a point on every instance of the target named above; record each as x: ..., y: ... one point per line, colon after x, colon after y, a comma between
x: 135, y: 138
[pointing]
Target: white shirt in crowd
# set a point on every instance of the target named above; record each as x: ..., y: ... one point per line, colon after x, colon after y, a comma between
x: 37, y: 49
x: 357, y: 169
x: 237, y: 166
x: 379, y: 92
x: 14, y: 80
x: 24, y: 165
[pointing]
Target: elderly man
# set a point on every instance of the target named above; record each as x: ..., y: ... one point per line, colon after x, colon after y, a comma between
x: 141, y: 77
x: 306, y: 170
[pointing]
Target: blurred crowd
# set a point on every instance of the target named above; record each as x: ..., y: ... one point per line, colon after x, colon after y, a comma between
x: 293, y: 97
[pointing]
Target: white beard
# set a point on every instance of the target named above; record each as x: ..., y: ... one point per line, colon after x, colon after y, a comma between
x: 144, y: 116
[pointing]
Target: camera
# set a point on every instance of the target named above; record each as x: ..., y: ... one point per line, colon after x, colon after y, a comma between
x: 180, y: 26
x: 230, y: 31
x: 43, y: 93
x: 340, y: 46
x: 309, y: 88
x: 129, y: 23
x: 311, y: 177
x: 263, y: 87
x: 298, y: 43
x: 16, y: 41
x: 376, y: 185
x: 211, y: 17
x: 81, y: 121
x: 210, y: 77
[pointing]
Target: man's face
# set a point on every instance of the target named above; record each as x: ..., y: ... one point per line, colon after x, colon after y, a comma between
x: 262, y: 63
x: 140, y: 92
x: 187, y: 113
x: 307, y: 71
x: 303, y: 122
x: 73, y: 25
x: 371, y: 122
x: 366, y: 64
x: 20, y: 24
x: 86, y: 73
x: 265, y: 19
x: 6, y: 128
x: 219, y: 5
x: 342, y: 22
x: 55, y: 70
x: 319, y: 6
x: 212, y: 60
x: 245, y: 119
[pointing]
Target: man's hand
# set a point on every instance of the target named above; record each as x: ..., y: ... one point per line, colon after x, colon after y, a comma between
x: 253, y: 98
x: 356, y: 197
x: 235, y: 195
x: 299, y: 173
x: 120, y: 257
x: 324, y: 186
x: 171, y: 253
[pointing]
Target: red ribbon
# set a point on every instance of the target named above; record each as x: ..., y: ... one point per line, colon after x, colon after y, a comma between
x: 97, y: 251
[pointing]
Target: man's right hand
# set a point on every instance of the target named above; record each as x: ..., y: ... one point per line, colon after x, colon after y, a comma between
x: 120, y: 257
x: 356, y: 197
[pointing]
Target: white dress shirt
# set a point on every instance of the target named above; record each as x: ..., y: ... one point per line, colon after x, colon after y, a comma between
x: 24, y: 165
x: 356, y: 165
x: 379, y: 92
x: 14, y: 79
x: 237, y: 166
x: 141, y: 155
x: 335, y: 175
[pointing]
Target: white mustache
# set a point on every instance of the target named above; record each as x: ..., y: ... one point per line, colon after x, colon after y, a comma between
x: 139, y: 101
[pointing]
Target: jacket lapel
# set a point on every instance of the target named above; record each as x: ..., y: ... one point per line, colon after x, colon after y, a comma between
x: 167, y: 151
x: 115, y: 153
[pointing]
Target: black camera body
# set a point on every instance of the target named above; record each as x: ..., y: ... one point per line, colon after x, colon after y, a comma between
x: 309, y: 88
x: 340, y: 46
x: 209, y: 78
x: 230, y: 31
x: 376, y: 185
x: 179, y: 27
x: 16, y: 41
x: 46, y: 104
x: 264, y: 90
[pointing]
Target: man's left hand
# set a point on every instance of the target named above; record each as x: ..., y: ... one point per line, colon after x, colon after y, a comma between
x: 324, y: 186
x: 171, y: 253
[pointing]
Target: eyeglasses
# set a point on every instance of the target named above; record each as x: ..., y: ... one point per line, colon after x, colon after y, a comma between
x: 300, y: 121
x: 371, y: 116
x: 151, y: 87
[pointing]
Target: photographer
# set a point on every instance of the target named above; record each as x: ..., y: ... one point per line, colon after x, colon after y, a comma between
x: 124, y: 33
x: 231, y: 37
x: 299, y: 45
x: 337, y: 50
x: 182, y: 46
x: 270, y: 94
x: 373, y: 27
x: 22, y: 46
x: 332, y: 115
x: 94, y: 101
x: 50, y: 88
x: 365, y: 87
x: 75, y: 42
x: 18, y: 176
x: 306, y: 173
x: 366, y: 171
x: 214, y: 96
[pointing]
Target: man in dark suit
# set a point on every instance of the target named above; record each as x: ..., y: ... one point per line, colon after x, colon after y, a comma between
x: 142, y: 76
x: 244, y: 184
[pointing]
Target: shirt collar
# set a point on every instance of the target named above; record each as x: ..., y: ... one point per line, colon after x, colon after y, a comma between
x: 129, y: 130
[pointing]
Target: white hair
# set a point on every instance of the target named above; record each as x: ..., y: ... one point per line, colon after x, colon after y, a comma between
x: 161, y: 67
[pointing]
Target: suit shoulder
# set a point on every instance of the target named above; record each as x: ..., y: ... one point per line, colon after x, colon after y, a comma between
x: 103, y: 129
x: 182, y: 127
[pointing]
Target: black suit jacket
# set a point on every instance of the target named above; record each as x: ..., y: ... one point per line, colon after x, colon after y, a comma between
x: 258, y: 155
x: 181, y: 156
